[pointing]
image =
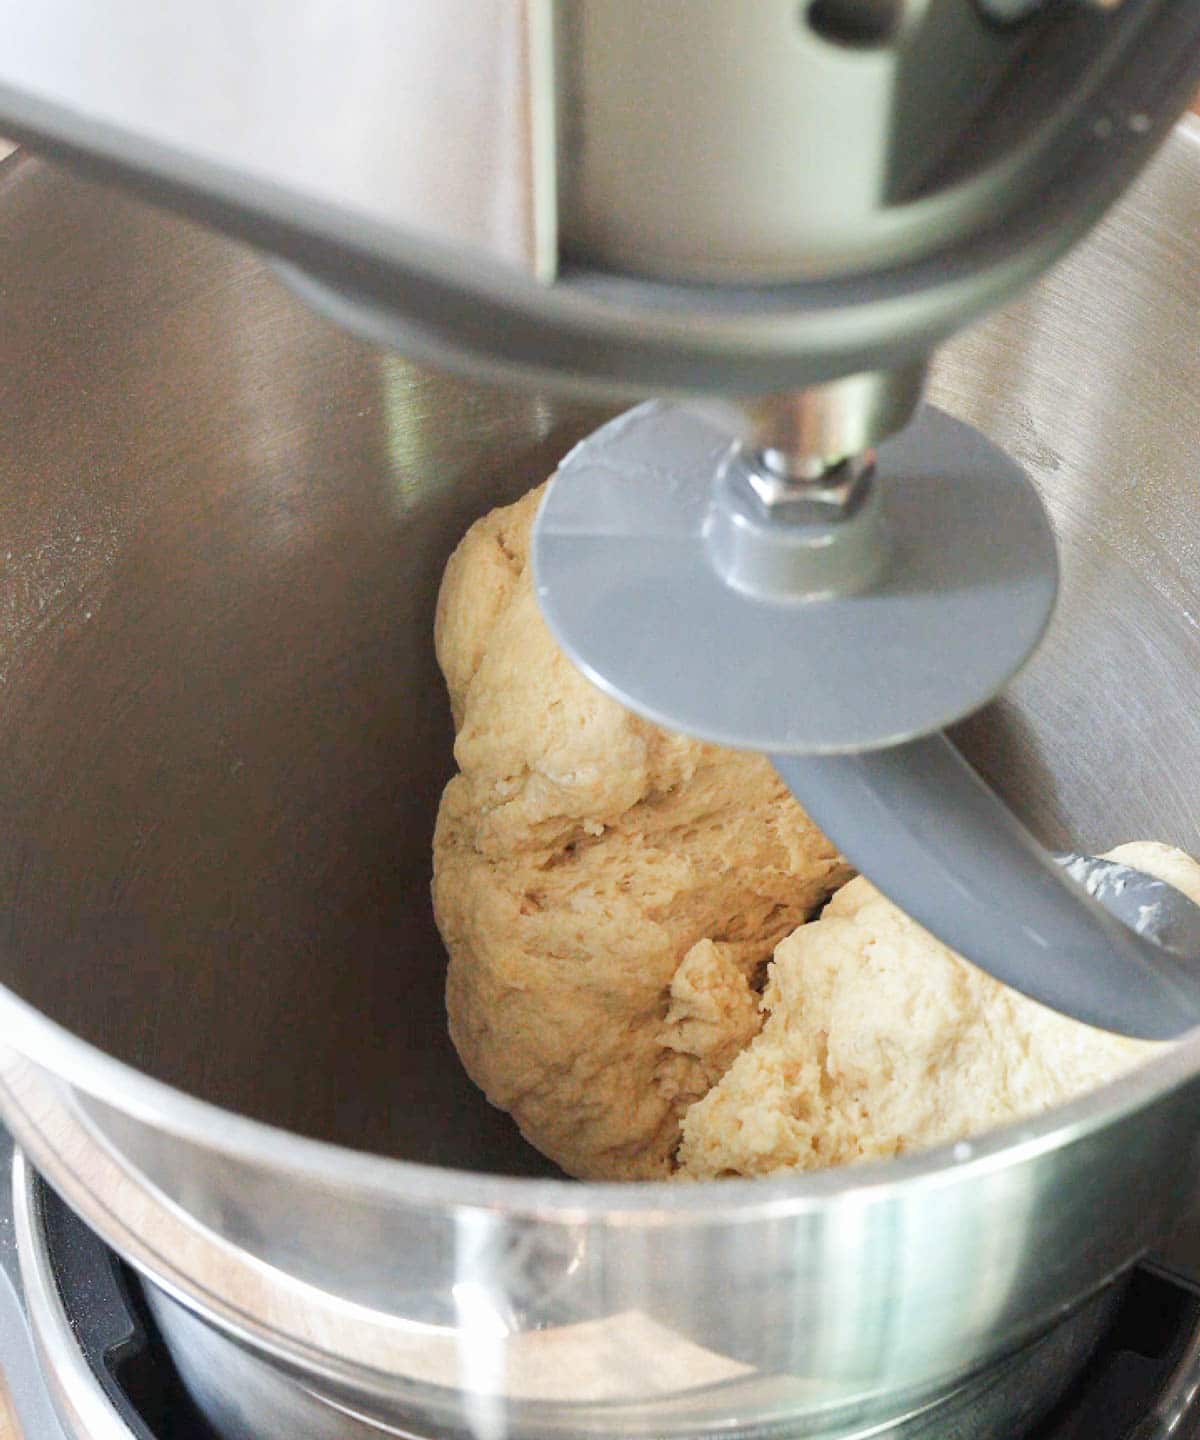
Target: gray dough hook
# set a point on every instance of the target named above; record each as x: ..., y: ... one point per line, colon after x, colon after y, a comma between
x: 927, y: 831
x: 921, y: 579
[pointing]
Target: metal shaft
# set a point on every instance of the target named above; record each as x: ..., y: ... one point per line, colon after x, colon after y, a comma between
x: 799, y: 435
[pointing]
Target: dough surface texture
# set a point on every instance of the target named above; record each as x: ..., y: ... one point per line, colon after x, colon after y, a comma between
x: 608, y: 892
x: 879, y: 1040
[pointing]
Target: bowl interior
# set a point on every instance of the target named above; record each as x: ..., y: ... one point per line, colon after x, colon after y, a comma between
x: 223, y: 735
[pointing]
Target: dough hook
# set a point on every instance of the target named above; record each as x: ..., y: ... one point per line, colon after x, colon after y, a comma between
x: 838, y: 621
x: 925, y: 828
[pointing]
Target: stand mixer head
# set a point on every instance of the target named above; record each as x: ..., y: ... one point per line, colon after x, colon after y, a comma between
x: 633, y: 198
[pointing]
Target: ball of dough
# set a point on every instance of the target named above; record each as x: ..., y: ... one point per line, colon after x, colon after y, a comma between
x: 879, y: 1040
x: 608, y: 893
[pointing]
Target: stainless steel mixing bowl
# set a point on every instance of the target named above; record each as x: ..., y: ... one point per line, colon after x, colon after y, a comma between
x: 222, y: 525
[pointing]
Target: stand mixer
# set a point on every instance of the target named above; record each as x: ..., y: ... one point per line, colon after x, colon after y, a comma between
x: 241, y: 739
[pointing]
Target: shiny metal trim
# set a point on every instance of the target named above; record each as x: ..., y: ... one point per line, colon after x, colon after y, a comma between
x: 346, y: 1349
x: 418, y: 116
x: 803, y: 433
x: 78, y: 1399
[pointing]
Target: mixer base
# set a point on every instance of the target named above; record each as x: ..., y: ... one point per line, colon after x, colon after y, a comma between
x: 113, y: 1358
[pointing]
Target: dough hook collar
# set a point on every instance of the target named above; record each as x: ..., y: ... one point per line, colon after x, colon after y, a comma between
x: 688, y: 603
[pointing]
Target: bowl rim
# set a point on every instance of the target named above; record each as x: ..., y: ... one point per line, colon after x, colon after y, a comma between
x: 51, y: 1048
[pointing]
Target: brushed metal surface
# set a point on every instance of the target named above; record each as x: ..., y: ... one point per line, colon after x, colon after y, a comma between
x: 415, y: 115
x: 221, y: 533
x: 1000, y: 1402
x: 221, y: 525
